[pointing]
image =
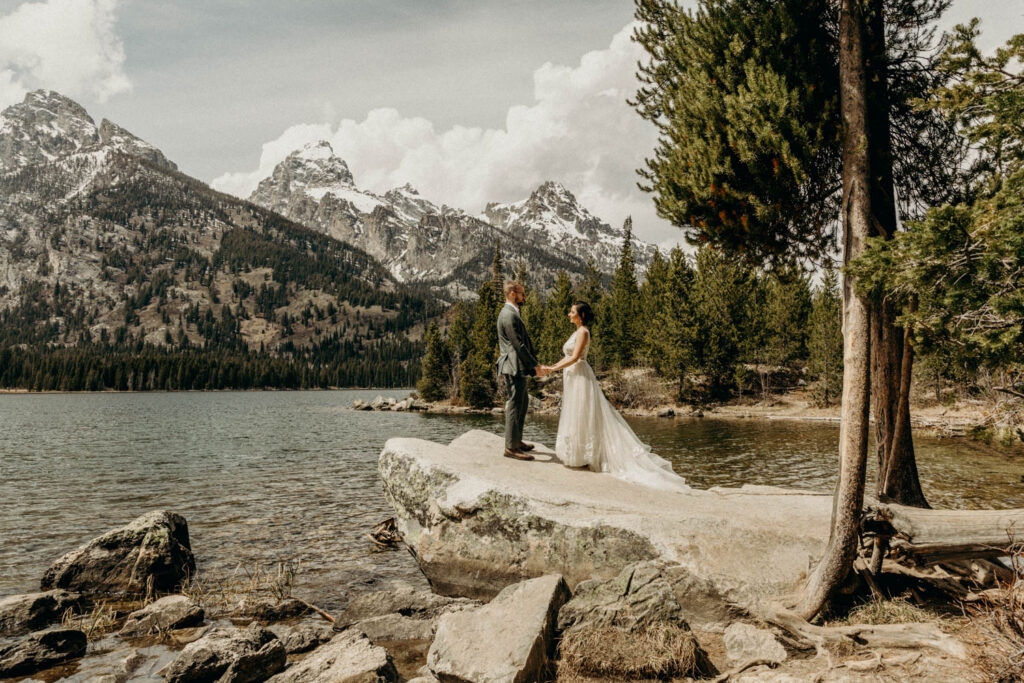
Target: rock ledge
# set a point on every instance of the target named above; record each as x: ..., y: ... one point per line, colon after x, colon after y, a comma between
x: 477, y: 522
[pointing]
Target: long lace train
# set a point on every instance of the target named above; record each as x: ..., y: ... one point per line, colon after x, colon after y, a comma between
x: 591, y: 432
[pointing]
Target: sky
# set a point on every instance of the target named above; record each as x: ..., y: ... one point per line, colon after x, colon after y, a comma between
x: 470, y: 101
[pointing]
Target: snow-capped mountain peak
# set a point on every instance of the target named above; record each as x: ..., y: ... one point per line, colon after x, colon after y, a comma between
x: 551, y: 208
x: 47, y: 125
x: 44, y: 126
x: 316, y: 172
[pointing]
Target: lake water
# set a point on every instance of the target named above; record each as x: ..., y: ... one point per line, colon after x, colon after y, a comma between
x: 264, y: 477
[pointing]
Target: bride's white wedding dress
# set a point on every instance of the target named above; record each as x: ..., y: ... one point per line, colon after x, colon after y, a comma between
x: 591, y: 432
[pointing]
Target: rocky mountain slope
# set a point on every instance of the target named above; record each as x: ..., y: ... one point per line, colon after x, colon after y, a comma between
x: 419, y: 241
x: 103, y: 241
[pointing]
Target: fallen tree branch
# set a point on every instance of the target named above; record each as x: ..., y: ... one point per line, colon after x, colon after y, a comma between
x: 316, y: 609
x: 736, y: 671
x: 1011, y: 392
x: 913, y: 635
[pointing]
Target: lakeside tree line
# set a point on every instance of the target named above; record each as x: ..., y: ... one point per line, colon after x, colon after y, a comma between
x: 709, y: 323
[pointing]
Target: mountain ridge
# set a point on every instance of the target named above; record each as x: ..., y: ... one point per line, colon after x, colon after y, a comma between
x: 420, y: 241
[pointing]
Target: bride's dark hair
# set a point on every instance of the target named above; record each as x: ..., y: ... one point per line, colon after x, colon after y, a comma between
x: 584, y: 311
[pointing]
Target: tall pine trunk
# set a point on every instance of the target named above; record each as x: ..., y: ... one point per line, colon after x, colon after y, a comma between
x: 891, y: 355
x: 857, y: 224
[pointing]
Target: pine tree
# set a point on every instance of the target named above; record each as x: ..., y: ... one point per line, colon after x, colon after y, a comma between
x: 825, y: 340
x: 556, y: 326
x: 434, y: 377
x: 671, y: 330
x: 620, y: 322
x: 477, y: 381
x: 721, y: 291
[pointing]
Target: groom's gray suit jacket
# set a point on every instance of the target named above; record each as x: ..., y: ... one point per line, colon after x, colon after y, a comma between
x: 515, y: 352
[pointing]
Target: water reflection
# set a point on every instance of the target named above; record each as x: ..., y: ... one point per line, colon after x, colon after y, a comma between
x: 267, y: 476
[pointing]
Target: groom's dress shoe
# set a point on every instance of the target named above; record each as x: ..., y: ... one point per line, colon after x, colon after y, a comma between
x: 518, y: 455
x: 526, y: 447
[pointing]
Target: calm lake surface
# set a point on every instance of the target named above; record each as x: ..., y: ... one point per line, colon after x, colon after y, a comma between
x: 264, y: 477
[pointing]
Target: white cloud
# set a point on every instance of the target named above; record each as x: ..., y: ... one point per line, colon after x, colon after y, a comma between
x: 579, y: 131
x: 66, y: 45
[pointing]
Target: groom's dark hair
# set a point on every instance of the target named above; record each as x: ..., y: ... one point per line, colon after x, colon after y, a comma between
x: 584, y: 311
x: 511, y: 286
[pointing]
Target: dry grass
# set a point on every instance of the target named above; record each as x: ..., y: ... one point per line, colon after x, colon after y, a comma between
x: 101, y: 618
x: 251, y: 582
x: 660, y: 652
x: 898, y: 610
x: 997, y: 640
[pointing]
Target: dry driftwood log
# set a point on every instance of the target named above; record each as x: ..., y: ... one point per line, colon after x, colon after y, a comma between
x: 933, y: 536
x: 385, y: 534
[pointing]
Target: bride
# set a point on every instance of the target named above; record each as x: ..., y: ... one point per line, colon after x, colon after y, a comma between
x: 590, y: 431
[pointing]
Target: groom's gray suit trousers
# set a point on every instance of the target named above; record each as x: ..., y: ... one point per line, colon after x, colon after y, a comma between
x: 515, y: 410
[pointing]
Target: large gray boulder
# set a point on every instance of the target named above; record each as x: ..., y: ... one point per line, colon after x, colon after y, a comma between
x: 20, y: 614
x: 510, y: 639
x: 648, y: 593
x: 41, y: 650
x: 152, y: 551
x: 348, y: 658
x: 229, y: 654
x: 170, y: 612
x: 477, y: 522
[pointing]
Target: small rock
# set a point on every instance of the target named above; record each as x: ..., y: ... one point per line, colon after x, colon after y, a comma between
x: 349, y: 656
x: 303, y: 637
x: 696, y: 413
x: 377, y: 403
x: 511, y: 638
x: 167, y: 613
x: 402, y: 599
x: 254, y: 667
x: 41, y: 650
x: 152, y: 551
x: 20, y: 614
x: 211, y: 657
x: 667, y: 412
x: 358, y: 404
x: 744, y: 643
x: 397, y: 627
x: 268, y: 610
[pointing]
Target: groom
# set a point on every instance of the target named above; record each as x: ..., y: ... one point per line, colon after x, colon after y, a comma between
x: 515, y: 362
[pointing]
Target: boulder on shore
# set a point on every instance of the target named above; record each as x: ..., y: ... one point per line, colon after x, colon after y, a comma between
x: 150, y: 552
x: 477, y: 522
x: 27, y: 612
x: 228, y: 654
x: 647, y: 594
x: 41, y: 650
x: 401, y: 613
x: 512, y: 638
x: 349, y: 656
x: 170, y: 612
